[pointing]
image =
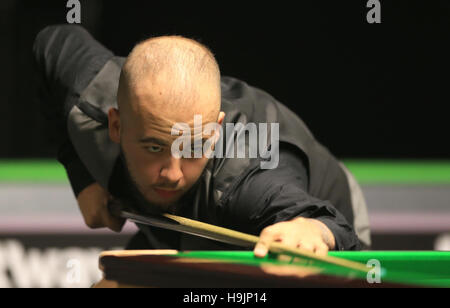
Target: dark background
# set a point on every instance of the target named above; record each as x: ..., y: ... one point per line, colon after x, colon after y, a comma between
x: 365, y: 90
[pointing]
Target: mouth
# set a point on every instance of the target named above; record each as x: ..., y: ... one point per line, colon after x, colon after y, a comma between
x: 165, y: 193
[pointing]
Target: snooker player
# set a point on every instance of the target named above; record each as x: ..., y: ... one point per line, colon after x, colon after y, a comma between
x: 115, y: 117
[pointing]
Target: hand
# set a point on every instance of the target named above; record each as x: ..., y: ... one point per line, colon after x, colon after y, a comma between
x: 305, y: 233
x: 93, y: 203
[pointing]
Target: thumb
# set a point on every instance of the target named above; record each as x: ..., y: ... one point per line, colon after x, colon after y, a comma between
x: 114, y: 223
x: 109, y: 220
x: 261, y: 249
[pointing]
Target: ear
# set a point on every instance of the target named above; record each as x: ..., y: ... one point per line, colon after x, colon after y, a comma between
x: 221, y: 117
x: 114, y: 125
x: 219, y: 121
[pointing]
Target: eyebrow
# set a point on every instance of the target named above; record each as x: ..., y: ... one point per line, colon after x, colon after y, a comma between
x: 162, y: 142
x: 153, y: 140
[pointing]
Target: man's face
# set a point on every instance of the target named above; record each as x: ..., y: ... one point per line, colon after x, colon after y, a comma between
x: 145, y: 139
x: 161, y: 178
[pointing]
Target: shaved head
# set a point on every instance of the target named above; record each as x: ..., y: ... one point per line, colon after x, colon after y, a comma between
x: 168, y: 78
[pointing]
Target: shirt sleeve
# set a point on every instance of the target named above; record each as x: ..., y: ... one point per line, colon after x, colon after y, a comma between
x: 266, y: 197
x: 66, y: 59
x: 78, y: 174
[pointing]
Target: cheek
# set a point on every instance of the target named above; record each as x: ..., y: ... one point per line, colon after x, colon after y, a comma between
x: 192, y: 169
x: 143, y: 167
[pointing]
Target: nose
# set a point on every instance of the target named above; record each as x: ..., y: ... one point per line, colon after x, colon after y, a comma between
x: 171, y: 171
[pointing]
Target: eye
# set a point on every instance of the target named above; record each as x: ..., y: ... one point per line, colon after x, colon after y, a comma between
x: 154, y: 149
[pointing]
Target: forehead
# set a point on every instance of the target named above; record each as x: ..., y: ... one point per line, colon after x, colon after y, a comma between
x: 167, y: 126
x: 174, y: 99
x: 154, y: 108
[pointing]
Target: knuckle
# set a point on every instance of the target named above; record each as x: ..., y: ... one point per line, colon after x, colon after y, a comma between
x: 300, y: 220
x: 263, y: 242
x: 308, y: 246
x: 267, y: 232
x: 322, y: 247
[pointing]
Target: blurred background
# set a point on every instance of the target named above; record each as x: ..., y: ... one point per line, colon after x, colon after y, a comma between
x: 374, y: 94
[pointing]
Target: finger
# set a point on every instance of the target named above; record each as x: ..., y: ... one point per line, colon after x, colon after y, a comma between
x: 116, y: 224
x: 291, y: 242
x: 268, y: 235
x: 261, y: 248
x: 112, y: 222
x: 307, y: 246
x: 321, y: 249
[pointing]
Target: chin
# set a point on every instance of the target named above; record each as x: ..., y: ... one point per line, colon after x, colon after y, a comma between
x: 162, y: 203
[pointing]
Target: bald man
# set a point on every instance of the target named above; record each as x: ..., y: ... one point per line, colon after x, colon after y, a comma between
x: 117, y: 117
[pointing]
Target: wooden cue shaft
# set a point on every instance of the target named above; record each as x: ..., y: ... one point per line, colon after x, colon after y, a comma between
x: 274, y: 247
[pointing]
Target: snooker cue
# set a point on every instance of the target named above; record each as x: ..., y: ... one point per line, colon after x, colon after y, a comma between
x: 194, y: 227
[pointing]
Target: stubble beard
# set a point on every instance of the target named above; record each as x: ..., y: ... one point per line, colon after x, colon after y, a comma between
x: 136, y: 192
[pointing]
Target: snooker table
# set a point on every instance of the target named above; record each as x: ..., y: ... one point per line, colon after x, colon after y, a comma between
x: 232, y: 269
